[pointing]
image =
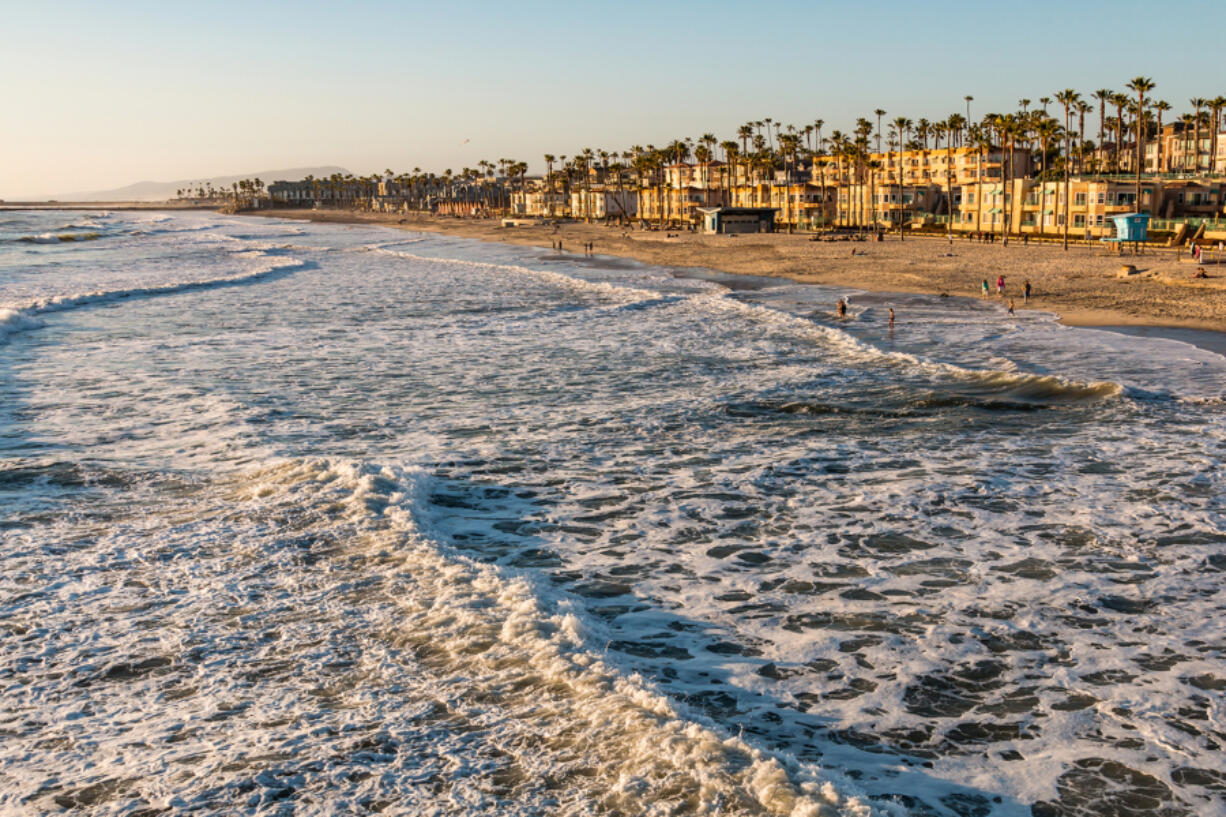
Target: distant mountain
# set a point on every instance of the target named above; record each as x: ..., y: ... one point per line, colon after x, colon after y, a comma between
x: 161, y: 191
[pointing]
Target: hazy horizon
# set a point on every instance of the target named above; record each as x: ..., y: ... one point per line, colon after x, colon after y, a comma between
x: 138, y: 91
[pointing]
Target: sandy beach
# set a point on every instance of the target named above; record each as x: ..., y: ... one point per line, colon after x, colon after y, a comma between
x: 1083, y: 285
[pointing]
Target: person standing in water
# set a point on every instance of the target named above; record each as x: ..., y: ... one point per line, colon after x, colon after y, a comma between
x: 841, y: 307
x: 891, y: 317
x: 1011, y: 306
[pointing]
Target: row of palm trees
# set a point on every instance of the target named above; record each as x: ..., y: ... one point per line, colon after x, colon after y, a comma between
x: 765, y: 149
x: 243, y: 190
x: 765, y: 154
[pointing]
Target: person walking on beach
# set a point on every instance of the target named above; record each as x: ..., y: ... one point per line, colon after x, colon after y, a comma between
x: 1026, y: 292
x: 985, y: 288
x: 1010, y: 306
x: 1000, y: 285
x: 841, y: 307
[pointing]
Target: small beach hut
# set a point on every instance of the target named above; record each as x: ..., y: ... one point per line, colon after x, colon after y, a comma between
x: 738, y: 219
x: 1131, y: 227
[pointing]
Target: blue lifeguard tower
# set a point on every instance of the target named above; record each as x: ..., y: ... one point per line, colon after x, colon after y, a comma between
x: 1130, y: 227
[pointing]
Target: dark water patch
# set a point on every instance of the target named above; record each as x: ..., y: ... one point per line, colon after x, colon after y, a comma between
x: 973, y: 733
x: 968, y: 805
x: 882, y: 543
x: 731, y: 648
x: 944, y: 567
x: 1205, y: 778
x: 1120, y: 604
x: 1158, y: 663
x: 1029, y: 568
x: 1108, y: 677
x: 1019, y: 641
x: 1074, y: 702
x: 912, y: 623
x: 1207, y: 681
x: 949, y: 695
x: 1097, y: 787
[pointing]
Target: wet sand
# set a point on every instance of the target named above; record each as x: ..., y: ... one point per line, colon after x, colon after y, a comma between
x: 1083, y: 285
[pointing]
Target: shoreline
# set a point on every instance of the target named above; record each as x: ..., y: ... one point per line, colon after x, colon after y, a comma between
x: 1082, y: 287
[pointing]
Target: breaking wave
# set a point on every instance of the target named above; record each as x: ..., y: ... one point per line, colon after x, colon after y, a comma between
x: 601, y: 737
x: 995, y: 385
x: 56, y: 238
x: 21, y: 317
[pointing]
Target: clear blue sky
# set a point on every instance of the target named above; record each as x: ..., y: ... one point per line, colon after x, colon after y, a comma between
x: 101, y: 94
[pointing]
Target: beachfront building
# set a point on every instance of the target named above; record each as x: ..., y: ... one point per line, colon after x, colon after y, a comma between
x: 539, y: 200
x: 303, y: 192
x: 1195, y: 198
x: 656, y: 203
x: 1038, y: 207
x: 909, y: 204
x: 915, y: 186
x: 604, y: 202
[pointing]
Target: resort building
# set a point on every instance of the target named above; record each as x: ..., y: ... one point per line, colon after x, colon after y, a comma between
x: 603, y: 202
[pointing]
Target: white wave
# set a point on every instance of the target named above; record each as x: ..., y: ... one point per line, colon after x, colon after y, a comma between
x: 1008, y: 381
x: 16, y: 320
x: 20, y: 317
x: 558, y: 279
x: 471, y: 621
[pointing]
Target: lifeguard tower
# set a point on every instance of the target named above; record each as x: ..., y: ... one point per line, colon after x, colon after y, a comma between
x: 1132, y: 227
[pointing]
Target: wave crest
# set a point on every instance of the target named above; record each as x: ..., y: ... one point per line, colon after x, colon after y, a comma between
x: 607, y: 739
x: 20, y: 317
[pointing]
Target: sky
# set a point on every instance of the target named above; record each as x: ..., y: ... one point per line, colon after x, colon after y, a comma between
x: 104, y: 94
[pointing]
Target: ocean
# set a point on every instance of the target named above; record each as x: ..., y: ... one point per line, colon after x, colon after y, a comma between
x: 319, y: 519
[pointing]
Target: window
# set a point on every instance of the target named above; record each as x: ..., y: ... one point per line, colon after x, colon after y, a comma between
x: 1079, y: 220
x: 1102, y: 198
x: 1079, y: 199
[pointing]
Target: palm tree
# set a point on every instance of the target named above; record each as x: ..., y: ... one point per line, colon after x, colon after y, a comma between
x: 901, y: 125
x: 1160, y: 107
x: 1083, y: 108
x: 951, y: 126
x: 1103, y: 95
x: 982, y: 139
x: 1068, y: 97
x: 549, y: 160
x: 969, y: 99
x: 1119, y: 101
x: 1198, y: 103
x: 1215, y: 106
x: 1142, y: 85
x: 1009, y: 129
x: 880, y: 113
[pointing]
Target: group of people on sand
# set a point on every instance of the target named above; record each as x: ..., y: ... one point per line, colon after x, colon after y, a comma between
x: 1000, y: 291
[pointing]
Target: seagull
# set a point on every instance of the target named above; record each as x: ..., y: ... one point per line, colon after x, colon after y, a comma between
x: 465, y: 142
